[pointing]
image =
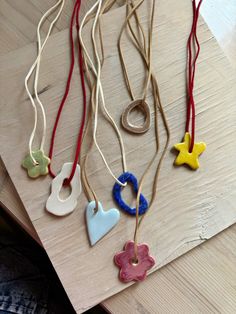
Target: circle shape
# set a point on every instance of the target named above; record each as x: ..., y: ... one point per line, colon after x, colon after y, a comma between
x: 125, y: 117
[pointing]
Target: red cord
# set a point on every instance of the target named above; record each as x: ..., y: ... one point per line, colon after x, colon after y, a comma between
x: 192, y: 40
x: 75, y: 14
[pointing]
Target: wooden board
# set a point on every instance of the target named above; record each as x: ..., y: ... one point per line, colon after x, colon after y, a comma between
x: 221, y: 24
x: 218, y: 58
x: 202, y: 281
x: 205, y: 292
x: 19, y: 20
x: 10, y: 200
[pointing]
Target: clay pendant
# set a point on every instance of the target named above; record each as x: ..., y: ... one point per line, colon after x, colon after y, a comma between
x: 39, y: 169
x: 146, y: 111
x: 128, y: 177
x: 186, y: 157
x: 101, y: 222
x: 131, y: 269
x: 55, y: 205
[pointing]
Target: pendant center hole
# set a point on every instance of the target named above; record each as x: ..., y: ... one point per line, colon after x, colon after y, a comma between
x: 137, y: 116
x: 129, y: 195
x: 65, y: 192
x: 134, y: 261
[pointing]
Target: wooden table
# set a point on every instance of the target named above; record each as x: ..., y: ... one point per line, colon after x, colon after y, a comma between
x: 200, y: 281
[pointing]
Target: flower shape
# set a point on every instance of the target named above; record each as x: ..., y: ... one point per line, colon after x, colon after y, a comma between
x: 129, y: 270
x: 41, y: 168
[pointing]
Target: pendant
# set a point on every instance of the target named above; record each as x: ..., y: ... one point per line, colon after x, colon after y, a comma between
x: 100, y: 222
x: 61, y: 207
x: 128, y: 177
x: 131, y: 269
x: 185, y: 157
x: 39, y: 169
x: 125, y: 117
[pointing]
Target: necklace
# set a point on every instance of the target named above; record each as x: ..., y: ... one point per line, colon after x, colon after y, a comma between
x: 99, y: 222
x: 140, y: 102
x: 70, y: 172
x: 134, y: 261
x: 128, y: 177
x: 189, y: 151
x: 36, y: 162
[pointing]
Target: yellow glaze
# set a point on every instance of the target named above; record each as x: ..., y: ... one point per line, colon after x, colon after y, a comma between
x: 185, y: 157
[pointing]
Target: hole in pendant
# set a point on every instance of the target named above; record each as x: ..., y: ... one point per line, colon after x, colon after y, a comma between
x: 65, y: 192
x: 129, y: 195
x: 96, y: 208
x: 137, y: 116
x: 134, y: 261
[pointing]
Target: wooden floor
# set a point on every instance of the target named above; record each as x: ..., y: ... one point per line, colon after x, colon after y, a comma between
x: 202, y: 281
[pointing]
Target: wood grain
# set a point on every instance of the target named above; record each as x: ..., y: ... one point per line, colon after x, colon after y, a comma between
x: 202, y: 281
x: 10, y: 200
x: 18, y: 22
x: 222, y: 24
x: 221, y: 19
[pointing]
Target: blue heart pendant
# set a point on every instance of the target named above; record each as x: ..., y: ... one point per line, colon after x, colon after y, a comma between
x: 128, y: 177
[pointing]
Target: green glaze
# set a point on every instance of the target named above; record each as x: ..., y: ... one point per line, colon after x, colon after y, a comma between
x: 41, y: 168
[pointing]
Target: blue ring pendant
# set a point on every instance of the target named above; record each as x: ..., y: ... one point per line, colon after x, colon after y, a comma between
x: 128, y: 177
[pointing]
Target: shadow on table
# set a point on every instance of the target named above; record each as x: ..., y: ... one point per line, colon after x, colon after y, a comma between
x: 28, y: 282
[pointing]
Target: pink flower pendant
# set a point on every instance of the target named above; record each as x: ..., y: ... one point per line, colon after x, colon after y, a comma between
x: 129, y: 269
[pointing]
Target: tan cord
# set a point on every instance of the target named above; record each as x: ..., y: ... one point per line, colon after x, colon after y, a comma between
x: 158, y: 106
x: 90, y: 193
x: 146, y: 56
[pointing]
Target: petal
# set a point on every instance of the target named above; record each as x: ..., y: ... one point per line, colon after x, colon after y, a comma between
x: 125, y: 276
x: 45, y: 160
x: 38, y: 154
x: 43, y: 170
x: 148, y: 263
x: 143, y: 250
x: 132, y: 273
x: 34, y: 172
x: 27, y: 162
x: 129, y: 247
x: 122, y: 259
x: 142, y: 276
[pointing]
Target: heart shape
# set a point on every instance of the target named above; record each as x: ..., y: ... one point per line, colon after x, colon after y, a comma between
x: 125, y: 178
x: 101, y: 222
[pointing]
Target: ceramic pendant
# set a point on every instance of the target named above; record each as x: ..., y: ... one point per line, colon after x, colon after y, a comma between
x: 185, y: 157
x: 146, y: 111
x: 131, y: 270
x: 128, y: 177
x: 55, y: 205
x: 41, y: 168
x: 101, y: 222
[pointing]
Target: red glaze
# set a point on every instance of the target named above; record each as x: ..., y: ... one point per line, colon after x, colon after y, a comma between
x: 130, y: 271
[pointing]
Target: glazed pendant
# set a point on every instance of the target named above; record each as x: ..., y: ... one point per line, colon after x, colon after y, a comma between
x: 99, y: 223
x: 125, y: 117
x: 131, y: 270
x: 39, y: 169
x: 128, y: 177
x: 60, y: 207
x: 185, y: 157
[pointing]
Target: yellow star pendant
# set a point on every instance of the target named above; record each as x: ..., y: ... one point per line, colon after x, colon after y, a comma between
x: 185, y: 157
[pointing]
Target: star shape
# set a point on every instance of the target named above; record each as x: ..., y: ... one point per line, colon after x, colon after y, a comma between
x: 41, y: 168
x: 185, y: 157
